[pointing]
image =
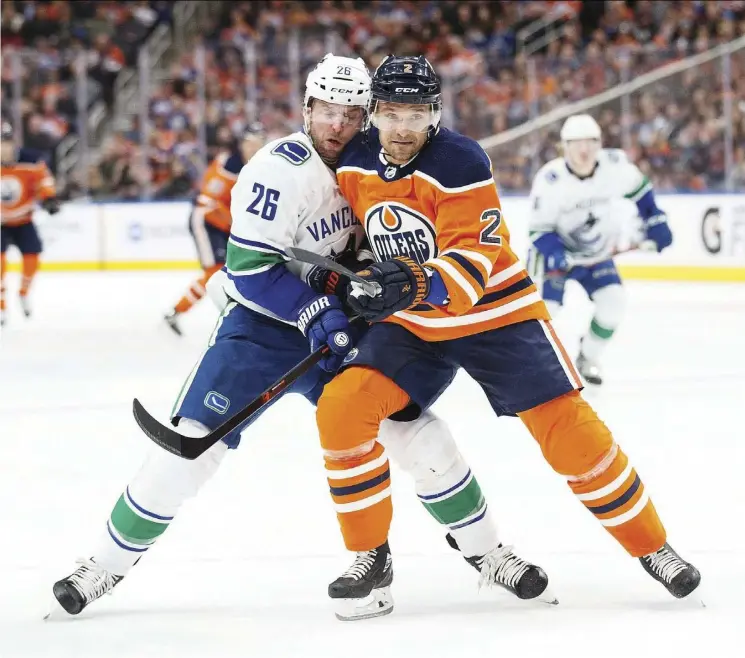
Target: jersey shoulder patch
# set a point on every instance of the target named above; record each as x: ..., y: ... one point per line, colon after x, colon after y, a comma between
x: 550, y: 172
x: 454, y: 160
x: 293, y: 151
x: 615, y: 156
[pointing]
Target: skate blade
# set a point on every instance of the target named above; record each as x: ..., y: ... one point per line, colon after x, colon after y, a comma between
x: 378, y: 603
x: 55, y: 612
x: 547, y: 597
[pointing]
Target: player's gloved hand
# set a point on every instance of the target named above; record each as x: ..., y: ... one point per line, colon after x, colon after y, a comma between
x: 404, y: 283
x: 554, y: 254
x: 51, y: 205
x: 322, y: 320
x: 326, y: 282
x: 658, y: 230
x: 556, y: 262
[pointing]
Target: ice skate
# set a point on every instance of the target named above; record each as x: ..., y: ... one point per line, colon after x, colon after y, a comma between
x: 502, y: 567
x: 25, y: 305
x: 589, y: 370
x: 172, y: 321
x: 86, y: 584
x: 364, y: 590
x: 679, y: 577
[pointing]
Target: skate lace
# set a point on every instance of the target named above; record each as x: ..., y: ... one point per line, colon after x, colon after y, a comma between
x: 361, y: 565
x: 502, y: 566
x: 91, y: 580
x: 665, y: 564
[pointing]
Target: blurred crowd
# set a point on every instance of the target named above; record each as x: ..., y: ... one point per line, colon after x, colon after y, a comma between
x: 675, y: 131
x: 44, y: 45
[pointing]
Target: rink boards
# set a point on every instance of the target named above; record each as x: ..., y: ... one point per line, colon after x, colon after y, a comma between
x: 709, y: 232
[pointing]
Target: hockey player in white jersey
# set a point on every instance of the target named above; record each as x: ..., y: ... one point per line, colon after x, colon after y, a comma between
x: 577, y: 224
x: 276, y: 311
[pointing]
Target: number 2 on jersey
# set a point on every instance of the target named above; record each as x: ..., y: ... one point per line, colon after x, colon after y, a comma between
x: 494, y: 216
x: 268, y: 210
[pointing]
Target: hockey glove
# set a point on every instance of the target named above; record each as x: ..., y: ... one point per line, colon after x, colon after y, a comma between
x: 554, y: 254
x: 326, y: 282
x: 51, y: 205
x: 404, y: 284
x: 657, y: 230
x: 322, y: 321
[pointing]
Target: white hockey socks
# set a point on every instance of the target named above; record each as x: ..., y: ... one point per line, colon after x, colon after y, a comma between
x: 610, y: 303
x: 150, y: 501
x: 445, y: 485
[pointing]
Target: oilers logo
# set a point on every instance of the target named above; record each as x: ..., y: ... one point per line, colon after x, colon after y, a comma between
x: 394, y: 229
x: 11, y: 189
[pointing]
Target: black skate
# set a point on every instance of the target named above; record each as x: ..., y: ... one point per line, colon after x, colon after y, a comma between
x: 502, y: 567
x: 172, y: 322
x: 364, y: 590
x: 589, y: 370
x: 86, y: 584
x: 667, y: 567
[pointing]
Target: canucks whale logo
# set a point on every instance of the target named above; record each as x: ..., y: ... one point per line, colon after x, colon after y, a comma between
x: 395, y: 229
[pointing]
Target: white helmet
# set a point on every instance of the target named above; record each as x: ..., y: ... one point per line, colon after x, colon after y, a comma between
x: 580, y: 126
x: 341, y: 80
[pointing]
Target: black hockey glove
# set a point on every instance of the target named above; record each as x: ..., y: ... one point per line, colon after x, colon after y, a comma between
x: 404, y: 284
x: 51, y: 205
x: 326, y: 282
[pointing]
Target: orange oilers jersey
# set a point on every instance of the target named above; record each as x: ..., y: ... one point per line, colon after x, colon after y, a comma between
x: 442, y: 209
x: 23, y: 184
x: 214, y: 190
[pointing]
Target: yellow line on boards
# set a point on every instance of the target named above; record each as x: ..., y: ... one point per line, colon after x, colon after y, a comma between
x: 682, y: 273
x: 638, y: 272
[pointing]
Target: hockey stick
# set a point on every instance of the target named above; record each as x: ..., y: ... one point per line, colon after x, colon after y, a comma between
x: 371, y: 288
x: 191, y: 447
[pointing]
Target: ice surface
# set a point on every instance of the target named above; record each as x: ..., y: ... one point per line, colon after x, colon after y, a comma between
x: 244, y: 569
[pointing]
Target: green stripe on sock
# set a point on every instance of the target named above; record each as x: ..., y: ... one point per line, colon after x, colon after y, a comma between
x: 133, y: 527
x: 458, y: 507
x: 600, y: 332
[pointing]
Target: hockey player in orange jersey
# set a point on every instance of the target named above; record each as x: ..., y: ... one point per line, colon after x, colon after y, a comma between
x: 454, y: 295
x: 26, y: 181
x: 210, y: 221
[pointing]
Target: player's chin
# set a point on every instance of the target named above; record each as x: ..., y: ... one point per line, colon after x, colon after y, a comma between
x: 332, y: 146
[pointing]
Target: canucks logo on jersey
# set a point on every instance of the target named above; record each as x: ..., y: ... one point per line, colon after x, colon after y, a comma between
x: 394, y: 229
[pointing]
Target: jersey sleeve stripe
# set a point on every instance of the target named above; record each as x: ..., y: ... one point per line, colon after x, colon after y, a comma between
x: 256, y: 245
x: 240, y: 259
x: 506, y: 274
x: 454, y: 275
x: 491, y: 297
x: 473, y: 255
x: 467, y: 265
x: 453, y: 190
x: 472, y: 318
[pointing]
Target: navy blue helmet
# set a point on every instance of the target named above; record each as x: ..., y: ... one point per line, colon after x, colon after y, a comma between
x: 406, y: 80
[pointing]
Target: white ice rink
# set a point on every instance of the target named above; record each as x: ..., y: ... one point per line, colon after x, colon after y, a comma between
x: 244, y: 569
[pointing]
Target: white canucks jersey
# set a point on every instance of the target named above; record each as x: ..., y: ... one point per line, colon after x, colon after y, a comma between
x: 285, y: 196
x: 591, y: 215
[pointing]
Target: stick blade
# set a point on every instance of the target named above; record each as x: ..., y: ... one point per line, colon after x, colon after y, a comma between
x: 165, y: 437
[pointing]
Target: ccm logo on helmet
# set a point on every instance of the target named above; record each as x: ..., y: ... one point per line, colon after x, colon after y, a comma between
x: 342, y: 91
x: 406, y: 90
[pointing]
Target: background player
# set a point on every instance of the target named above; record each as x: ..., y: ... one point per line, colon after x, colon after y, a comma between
x: 287, y: 195
x: 454, y: 295
x: 576, y: 225
x: 26, y: 181
x: 209, y: 221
